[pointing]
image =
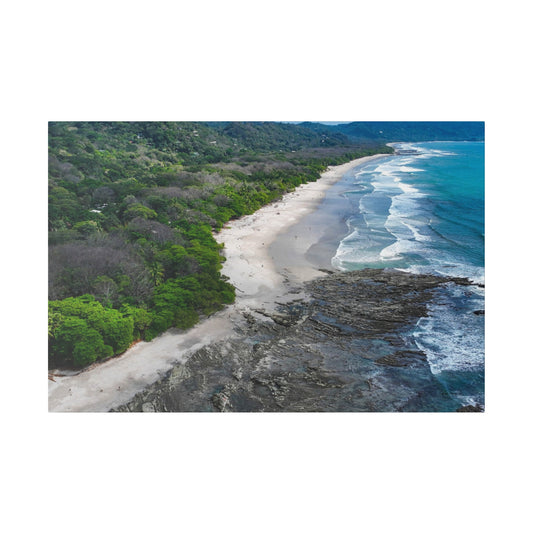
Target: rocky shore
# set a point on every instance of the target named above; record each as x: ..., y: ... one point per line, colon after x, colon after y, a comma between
x: 340, y: 343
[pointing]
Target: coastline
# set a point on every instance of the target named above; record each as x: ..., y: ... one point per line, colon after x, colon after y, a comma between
x: 339, y: 348
x: 263, y: 260
x: 268, y: 249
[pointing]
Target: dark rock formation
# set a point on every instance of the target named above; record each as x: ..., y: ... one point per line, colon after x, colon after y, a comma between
x: 470, y: 409
x: 345, y: 346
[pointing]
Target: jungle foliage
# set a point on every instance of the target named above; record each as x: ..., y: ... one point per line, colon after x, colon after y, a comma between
x: 132, y: 211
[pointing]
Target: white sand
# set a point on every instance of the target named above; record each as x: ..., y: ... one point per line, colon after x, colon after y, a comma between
x: 249, y: 262
x: 249, y: 267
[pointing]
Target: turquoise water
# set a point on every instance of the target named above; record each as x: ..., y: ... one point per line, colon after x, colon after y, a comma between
x: 423, y: 211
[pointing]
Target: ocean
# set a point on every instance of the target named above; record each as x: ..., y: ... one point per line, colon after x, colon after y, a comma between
x: 423, y: 211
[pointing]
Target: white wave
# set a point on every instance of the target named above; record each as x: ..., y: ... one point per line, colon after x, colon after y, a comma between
x: 389, y: 180
x: 388, y: 184
x: 426, y: 153
x: 476, y: 274
x: 416, y: 233
x: 409, y: 169
x: 338, y: 263
x: 401, y: 220
x: 402, y: 216
x: 351, y: 236
x: 396, y: 250
x: 408, y: 189
x: 385, y: 169
x: 450, y: 340
x: 423, y: 152
x: 363, y: 245
x: 406, y: 146
x: 351, y: 254
x: 396, y: 165
x: 441, y: 152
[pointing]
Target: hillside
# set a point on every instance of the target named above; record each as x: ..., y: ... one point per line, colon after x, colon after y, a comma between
x: 404, y: 131
x: 132, y: 208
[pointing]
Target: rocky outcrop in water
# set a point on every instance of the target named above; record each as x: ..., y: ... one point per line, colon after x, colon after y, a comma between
x: 470, y: 409
x: 342, y: 344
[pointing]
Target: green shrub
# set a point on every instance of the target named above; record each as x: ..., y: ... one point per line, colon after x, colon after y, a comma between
x: 81, y: 331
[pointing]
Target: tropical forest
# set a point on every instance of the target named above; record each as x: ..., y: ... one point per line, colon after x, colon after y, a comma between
x: 133, y: 206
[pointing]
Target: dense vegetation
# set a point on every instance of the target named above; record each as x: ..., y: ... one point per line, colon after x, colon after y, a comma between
x: 132, y: 210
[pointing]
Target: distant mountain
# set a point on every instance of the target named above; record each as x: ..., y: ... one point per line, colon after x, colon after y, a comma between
x: 405, y: 131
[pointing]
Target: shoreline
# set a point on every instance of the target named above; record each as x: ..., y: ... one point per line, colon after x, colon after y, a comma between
x: 262, y: 274
x: 262, y: 252
x: 321, y: 353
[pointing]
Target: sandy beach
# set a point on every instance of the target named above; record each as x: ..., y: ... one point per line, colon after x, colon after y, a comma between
x: 266, y: 253
x: 269, y: 248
